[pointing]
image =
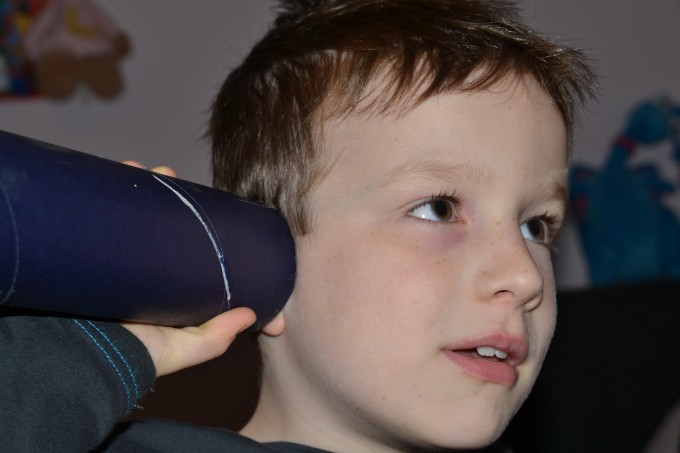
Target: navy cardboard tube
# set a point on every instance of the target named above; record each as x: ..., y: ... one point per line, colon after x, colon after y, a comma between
x: 91, y: 237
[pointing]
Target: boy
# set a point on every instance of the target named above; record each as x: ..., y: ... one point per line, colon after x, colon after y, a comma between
x: 418, y: 149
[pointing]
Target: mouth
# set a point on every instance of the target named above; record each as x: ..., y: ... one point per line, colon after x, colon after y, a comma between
x: 487, y: 353
x: 492, y: 359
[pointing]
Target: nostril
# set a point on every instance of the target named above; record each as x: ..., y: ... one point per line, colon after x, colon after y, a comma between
x: 529, y: 301
x: 533, y: 302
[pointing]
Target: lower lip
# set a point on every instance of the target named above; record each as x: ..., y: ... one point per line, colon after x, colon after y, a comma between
x: 486, y: 370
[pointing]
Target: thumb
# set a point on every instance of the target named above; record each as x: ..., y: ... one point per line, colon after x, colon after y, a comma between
x: 194, y: 345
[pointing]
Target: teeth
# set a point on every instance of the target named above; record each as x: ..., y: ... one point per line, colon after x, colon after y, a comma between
x: 488, y: 351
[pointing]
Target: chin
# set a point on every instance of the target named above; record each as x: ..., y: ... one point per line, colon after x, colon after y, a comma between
x: 482, y: 426
x: 480, y: 439
x: 449, y: 442
x: 483, y: 437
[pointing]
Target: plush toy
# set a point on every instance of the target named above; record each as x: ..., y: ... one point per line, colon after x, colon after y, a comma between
x: 74, y: 42
x: 628, y: 235
x: 16, y: 71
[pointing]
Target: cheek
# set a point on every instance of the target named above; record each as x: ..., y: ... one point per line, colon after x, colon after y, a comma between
x: 432, y: 239
x: 543, y: 319
x: 541, y: 327
x: 544, y: 323
x: 370, y: 291
x: 347, y: 318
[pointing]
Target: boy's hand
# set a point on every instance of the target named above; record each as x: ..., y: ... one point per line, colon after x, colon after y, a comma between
x: 174, y: 349
x: 163, y: 170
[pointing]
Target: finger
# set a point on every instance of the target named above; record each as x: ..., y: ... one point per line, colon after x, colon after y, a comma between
x: 133, y: 163
x: 161, y: 169
x: 165, y: 170
x: 222, y: 329
x: 195, y: 345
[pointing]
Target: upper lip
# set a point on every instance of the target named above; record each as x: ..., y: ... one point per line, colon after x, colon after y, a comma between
x: 517, y: 348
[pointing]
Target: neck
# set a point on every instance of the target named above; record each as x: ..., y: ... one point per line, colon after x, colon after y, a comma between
x: 295, y: 413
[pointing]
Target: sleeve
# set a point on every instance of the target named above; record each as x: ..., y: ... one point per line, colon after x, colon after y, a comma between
x: 65, y: 382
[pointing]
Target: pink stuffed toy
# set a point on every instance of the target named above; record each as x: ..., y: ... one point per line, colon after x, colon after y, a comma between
x: 72, y: 42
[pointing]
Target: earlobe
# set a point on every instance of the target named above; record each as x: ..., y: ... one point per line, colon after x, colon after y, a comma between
x: 276, y: 326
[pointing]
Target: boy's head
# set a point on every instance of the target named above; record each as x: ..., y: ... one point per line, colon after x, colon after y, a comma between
x: 418, y: 148
x: 320, y: 60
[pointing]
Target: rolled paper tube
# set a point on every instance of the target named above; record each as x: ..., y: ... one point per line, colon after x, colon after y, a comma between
x: 91, y: 237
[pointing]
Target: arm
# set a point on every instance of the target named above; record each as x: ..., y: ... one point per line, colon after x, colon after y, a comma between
x: 66, y: 382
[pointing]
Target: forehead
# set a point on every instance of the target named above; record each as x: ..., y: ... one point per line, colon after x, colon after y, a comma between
x: 452, y: 135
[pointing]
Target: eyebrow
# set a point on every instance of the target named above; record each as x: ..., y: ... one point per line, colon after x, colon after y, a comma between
x: 558, y: 193
x: 447, y: 172
x: 430, y: 170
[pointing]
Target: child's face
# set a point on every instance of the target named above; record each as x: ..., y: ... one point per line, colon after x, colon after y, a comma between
x: 428, y: 240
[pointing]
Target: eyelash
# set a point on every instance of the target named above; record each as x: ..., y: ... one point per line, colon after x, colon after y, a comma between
x: 450, y: 197
x: 553, y: 226
x: 551, y: 222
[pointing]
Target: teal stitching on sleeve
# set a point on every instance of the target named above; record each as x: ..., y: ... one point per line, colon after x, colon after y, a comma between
x: 122, y: 358
x: 108, y: 357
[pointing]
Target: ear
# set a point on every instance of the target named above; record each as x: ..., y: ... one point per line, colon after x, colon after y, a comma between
x: 276, y: 326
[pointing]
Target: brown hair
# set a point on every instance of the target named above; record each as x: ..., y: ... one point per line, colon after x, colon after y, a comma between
x: 324, y: 53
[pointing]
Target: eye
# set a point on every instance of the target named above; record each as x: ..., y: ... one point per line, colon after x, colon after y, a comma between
x: 441, y: 209
x: 537, y: 230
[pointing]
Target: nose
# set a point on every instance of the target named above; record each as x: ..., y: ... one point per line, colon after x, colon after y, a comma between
x: 508, y: 272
